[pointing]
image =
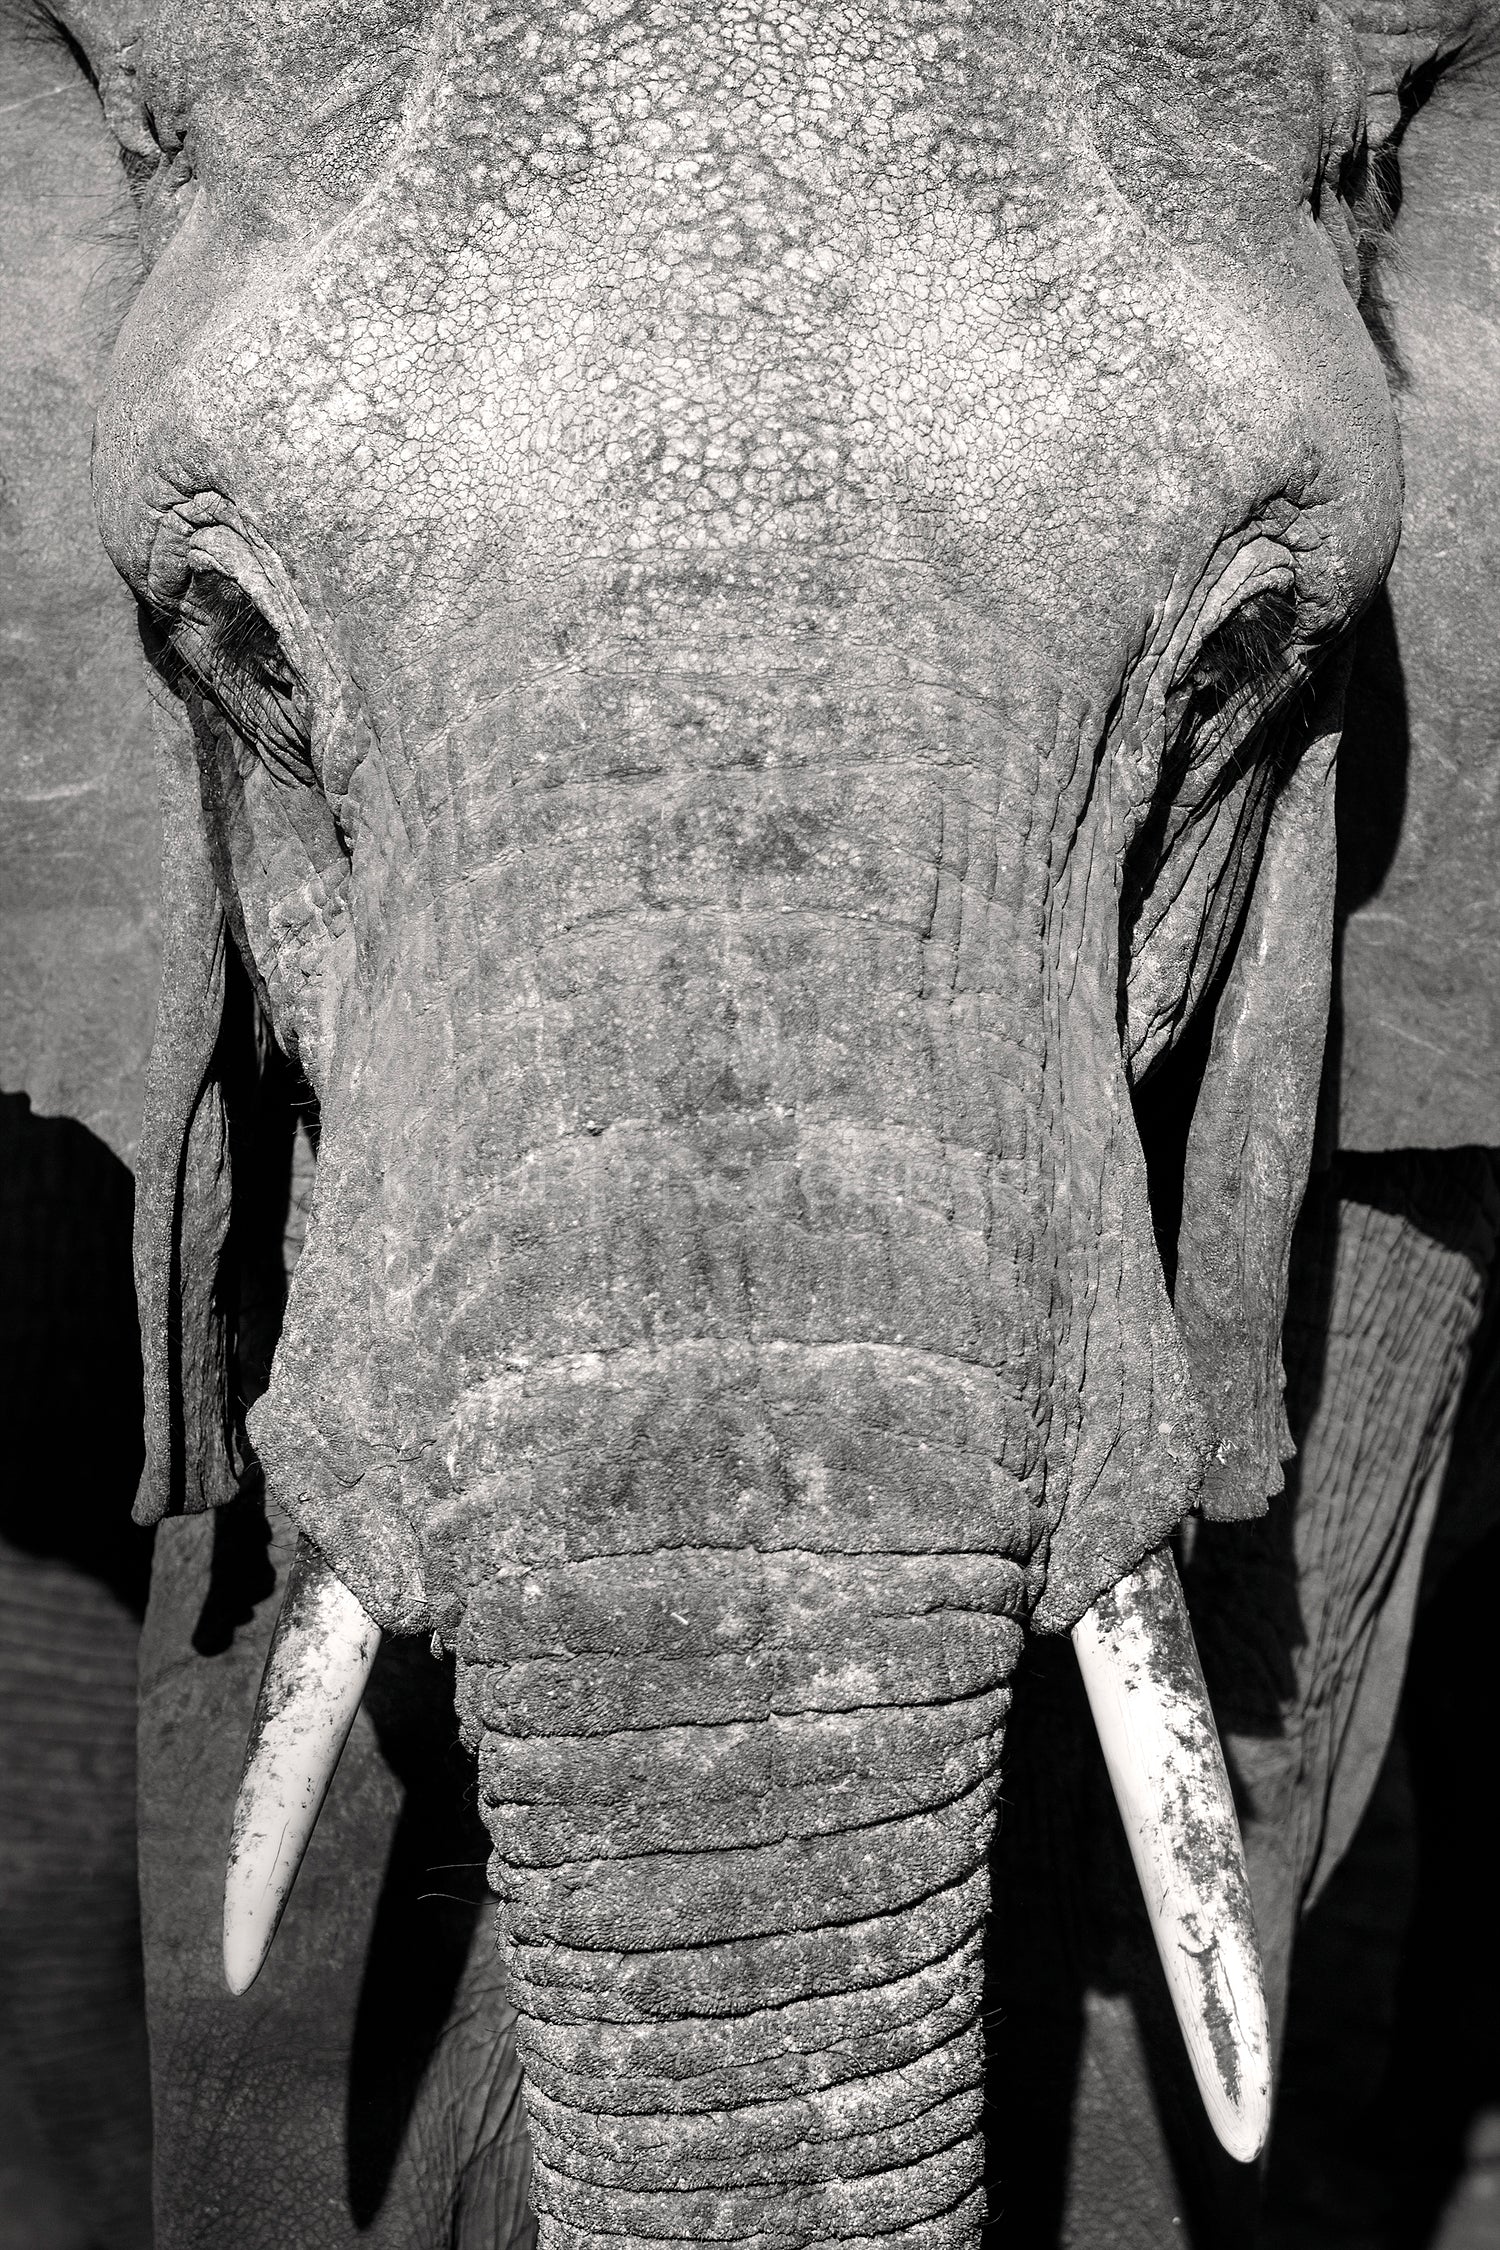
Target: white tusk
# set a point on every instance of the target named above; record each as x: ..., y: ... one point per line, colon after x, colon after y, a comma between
x: 1146, y: 1691
x: 321, y: 1654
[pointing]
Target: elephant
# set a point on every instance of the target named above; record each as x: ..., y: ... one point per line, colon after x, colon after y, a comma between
x: 909, y: 480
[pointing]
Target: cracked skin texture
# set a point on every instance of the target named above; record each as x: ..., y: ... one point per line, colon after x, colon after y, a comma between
x: 743, y: 490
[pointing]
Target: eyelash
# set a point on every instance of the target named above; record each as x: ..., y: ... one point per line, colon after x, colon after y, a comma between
x: 1239, y: 689
x: 1238, y: 683
x: 234, y: 661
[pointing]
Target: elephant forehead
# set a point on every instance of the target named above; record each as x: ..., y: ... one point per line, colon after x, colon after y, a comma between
x: 335, y: 88
x: 660, y: 279
x: 668, y: 388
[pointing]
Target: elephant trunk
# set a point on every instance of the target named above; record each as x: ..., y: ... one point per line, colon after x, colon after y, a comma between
x: 740, y: 1808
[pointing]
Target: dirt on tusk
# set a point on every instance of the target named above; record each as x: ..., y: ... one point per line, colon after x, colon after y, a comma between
x: 1150, y: 1704
x: 321, y: 1655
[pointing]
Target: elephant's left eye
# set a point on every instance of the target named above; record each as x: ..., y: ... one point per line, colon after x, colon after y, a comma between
x: 1239, y: 677
x: 1228, y: 742
x: 1231, y: 735
x: 221, y: 647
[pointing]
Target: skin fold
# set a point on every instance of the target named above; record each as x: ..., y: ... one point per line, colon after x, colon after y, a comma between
x: 751, y: 615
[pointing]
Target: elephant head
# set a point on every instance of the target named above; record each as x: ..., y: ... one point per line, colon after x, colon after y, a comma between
x: 755, y: 598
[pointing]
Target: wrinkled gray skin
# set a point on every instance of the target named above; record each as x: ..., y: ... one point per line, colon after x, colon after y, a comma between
x: 813, y: 598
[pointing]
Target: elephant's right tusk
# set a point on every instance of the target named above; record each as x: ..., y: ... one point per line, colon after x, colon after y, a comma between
x: 1146, y: 1690
x: 321, y: 1654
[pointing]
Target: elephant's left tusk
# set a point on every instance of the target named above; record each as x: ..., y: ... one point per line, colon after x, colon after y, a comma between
x: 1146, y: 1690
x: 321, y: 1654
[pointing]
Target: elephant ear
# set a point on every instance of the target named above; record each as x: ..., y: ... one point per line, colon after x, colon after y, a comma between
x: 79, y: 844
x: 1413, y: 923
x: 79, y: 852
x: 1418, y: 1003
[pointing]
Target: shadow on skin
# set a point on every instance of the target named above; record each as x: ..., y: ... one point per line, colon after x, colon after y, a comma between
x: 241, y: 1576
x: 432, y: 1896
x: 1035, y: 1966
x: 70, y: 1348
x: 1374, y: 756
x: 74, y: 1573
x: 1444, y: 2078
x: 1393, y: 2067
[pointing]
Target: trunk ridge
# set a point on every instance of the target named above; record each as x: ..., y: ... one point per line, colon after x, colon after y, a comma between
x: 747, y: 1953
